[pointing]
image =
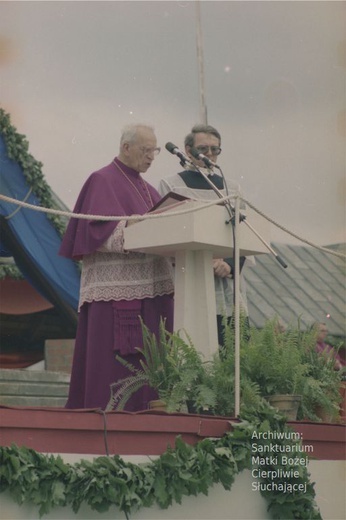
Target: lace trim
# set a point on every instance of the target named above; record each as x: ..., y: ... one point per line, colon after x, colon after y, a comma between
x: 115, y: 242
x: 114, y: 276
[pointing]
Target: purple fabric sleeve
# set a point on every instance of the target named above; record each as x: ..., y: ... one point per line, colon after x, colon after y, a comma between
x: 106, y: 192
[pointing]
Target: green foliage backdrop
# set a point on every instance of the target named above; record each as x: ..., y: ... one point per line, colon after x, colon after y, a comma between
x: 181, y: 471
x: 17, y: 148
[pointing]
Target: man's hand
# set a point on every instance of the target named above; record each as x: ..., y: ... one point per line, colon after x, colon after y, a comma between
x: 221, y: 268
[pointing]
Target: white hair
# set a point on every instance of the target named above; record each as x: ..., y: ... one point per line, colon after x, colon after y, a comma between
x: 129, y: 132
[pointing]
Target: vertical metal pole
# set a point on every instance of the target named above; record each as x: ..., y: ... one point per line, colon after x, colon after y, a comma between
x: 200, y: 62
x: 236, y: 308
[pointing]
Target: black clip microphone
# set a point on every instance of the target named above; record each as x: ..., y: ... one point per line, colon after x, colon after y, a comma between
x: 200, y: 157
x: 171, y: 148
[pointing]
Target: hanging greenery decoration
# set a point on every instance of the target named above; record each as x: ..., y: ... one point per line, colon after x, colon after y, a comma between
x: 10, y: 271
x: 181, y: 471
x: 17, y: 150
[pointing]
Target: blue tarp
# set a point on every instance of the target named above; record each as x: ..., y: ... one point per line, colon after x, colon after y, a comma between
x: 36, y: 234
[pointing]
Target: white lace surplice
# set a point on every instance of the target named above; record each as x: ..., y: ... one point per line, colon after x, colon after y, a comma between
x: 111, y: 273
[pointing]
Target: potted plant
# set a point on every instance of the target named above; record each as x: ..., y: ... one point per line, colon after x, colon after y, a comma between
x: 321, y: 397
x: 181, y: 377
x: 170, y: 365
x: 274, y: 364
x: 221, y: 374
x: 273, y: 358
x: 286, y: 367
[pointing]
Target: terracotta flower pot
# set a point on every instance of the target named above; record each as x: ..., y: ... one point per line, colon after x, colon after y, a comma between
x: 157, y: 405
x: 324, y: 415
x: 286, y: 403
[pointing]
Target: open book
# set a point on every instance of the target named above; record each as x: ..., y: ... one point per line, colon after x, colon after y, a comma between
x: 169, y: 201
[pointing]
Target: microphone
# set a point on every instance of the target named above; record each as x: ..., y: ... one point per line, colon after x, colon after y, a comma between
x: 197, y: 155
x: 171, y: 148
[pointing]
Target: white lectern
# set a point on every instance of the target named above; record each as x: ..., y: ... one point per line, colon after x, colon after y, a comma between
x: 194, y: 239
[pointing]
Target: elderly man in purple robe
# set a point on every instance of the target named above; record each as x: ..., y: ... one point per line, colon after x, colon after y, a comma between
x: 118, y: 287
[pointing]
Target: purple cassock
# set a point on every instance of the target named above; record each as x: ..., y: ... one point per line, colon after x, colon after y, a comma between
x: 117, y: 287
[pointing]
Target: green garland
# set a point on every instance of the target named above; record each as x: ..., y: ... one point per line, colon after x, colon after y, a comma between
x: 10, y: 271
x: 17, y: 150
x: 185, y: 470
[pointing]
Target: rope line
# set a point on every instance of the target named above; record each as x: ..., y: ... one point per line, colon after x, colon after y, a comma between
x: 87, y: 216
x: 198, y: 206
x: 18, y: 208
x: 321, y: 248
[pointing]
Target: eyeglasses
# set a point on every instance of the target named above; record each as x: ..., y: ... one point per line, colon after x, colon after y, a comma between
x: 150, y: 151
x: 215, y: 150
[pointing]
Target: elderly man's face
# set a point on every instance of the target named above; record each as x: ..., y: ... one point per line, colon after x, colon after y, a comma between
x: 141, y: 152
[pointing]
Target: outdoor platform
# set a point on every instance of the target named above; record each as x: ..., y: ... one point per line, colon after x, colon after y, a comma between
x: 86, y: 434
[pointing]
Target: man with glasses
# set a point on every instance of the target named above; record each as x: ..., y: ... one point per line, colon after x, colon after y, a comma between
x: 190, y: 183
x: 117, y: 286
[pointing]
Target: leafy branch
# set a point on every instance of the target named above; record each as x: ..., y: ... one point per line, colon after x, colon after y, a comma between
x: 181, y: 471
x: 17, y: 150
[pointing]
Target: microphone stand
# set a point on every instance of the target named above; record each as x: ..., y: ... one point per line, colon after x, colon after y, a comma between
x: 242, y: 218
x: 236, y: 218
x: 228, y: 205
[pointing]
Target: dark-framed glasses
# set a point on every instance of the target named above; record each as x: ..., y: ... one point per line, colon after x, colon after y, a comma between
x: 214, y: 150
x: 150, y: 151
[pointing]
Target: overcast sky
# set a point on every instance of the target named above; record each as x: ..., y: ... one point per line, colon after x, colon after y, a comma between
x: 72, y: 74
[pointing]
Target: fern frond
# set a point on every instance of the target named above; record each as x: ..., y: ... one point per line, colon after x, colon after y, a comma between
x: 122, y: 390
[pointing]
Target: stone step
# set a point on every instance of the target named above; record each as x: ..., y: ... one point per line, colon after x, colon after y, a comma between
x: 33, y: 388
x: 31, y: 401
